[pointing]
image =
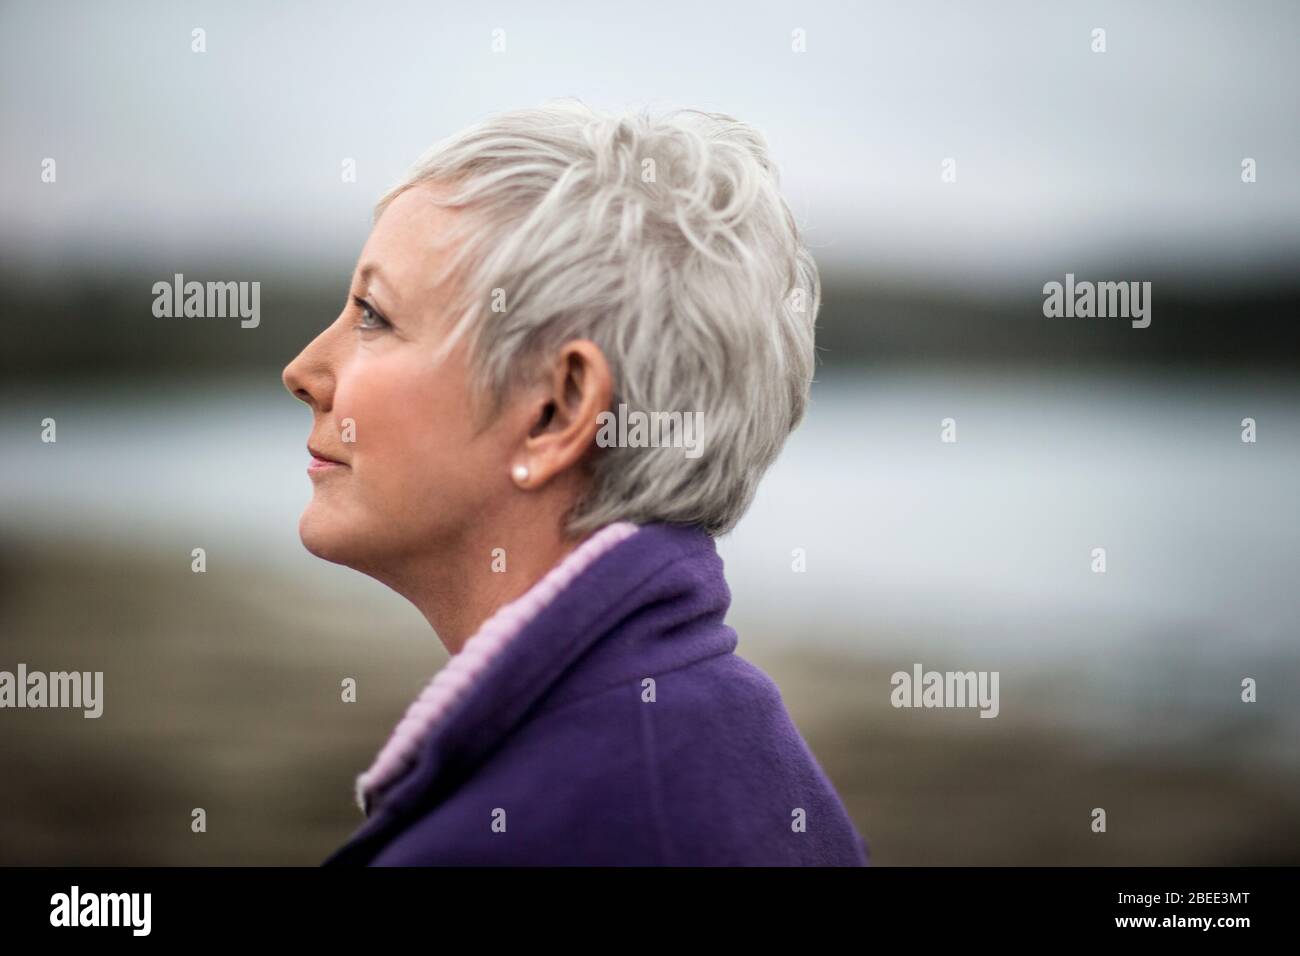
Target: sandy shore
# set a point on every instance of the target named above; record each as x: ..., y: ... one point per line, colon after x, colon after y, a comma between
x: 223, y: 693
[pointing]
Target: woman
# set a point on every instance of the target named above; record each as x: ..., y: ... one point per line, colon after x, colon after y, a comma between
x: 531, y: 279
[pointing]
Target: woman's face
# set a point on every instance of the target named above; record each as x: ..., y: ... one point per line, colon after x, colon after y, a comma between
x: 399, y: 467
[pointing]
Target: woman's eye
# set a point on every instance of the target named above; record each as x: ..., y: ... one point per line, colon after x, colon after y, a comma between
x: 370, y: 319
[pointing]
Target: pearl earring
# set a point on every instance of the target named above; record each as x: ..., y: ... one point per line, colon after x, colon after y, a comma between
x: 521, y: 472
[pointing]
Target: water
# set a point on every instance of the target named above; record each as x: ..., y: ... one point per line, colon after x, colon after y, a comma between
x: 995, y: 532
x: 981, y: 546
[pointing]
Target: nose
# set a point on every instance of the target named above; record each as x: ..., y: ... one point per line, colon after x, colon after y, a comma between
x: 310, y: 376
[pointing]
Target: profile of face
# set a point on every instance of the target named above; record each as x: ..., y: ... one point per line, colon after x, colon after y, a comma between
x: 397, y: 463
x: 401, y: 467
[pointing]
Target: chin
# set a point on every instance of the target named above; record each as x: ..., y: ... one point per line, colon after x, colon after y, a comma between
x: 338, y: 541
x: 324, y: 538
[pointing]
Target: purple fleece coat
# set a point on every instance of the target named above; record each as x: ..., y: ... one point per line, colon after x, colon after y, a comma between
x: 556, y: 756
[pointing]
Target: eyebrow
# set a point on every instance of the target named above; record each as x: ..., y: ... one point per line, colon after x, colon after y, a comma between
x: 372, y: 270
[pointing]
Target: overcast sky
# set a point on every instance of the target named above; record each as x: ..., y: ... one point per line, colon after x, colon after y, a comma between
x: 1063, y: 155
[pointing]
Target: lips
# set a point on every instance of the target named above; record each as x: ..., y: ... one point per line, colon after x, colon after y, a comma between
x: 319, y: 459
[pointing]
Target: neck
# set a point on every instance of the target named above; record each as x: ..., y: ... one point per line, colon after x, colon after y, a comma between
x: 463, y: 582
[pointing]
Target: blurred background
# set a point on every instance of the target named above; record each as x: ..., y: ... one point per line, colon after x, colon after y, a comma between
x: 1119, y: 690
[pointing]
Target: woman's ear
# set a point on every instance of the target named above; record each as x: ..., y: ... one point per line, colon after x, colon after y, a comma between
x: 575, y: 389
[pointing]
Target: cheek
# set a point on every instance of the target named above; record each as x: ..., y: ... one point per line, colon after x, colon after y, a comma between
x: 411, y: 431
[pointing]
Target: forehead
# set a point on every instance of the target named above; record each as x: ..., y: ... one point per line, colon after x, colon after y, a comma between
x: 407, y: 248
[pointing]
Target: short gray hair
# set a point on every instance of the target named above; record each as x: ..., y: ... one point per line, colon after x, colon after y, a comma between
x: 664, y: 240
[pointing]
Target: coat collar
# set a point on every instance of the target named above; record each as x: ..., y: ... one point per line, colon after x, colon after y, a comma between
x: 466, y: 668
x: 659, y: 586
